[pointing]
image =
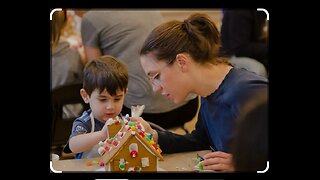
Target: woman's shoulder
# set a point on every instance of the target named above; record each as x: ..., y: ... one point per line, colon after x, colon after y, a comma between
x: 241, y: 75
x: 241, y: 83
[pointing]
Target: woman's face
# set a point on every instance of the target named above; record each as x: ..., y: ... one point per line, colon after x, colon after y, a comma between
x: 165, y: 79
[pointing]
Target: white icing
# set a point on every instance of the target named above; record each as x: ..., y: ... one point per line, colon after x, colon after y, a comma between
x: 101, y: 150
x: 145, y: 146
x: 110, y: 121
x: 145, y: 162
x: 136, y: 111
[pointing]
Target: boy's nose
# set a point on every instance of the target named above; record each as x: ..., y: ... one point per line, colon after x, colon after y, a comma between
x: 109, y: 105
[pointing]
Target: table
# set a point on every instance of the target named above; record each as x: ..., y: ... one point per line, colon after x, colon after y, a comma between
x: 172, y: 162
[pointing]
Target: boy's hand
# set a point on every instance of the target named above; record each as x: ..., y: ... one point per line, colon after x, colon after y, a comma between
x: 104, y: 131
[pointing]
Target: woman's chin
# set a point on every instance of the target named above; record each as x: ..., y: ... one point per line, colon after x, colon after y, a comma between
x: 176, y: 101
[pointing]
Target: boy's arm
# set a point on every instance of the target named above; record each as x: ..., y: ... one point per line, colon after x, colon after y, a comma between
x: 84, y: 142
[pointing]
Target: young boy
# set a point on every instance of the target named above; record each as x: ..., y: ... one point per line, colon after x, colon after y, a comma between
x: 105, y: 84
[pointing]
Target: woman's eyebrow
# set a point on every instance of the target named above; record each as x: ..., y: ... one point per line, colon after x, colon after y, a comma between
x: 151, y: 73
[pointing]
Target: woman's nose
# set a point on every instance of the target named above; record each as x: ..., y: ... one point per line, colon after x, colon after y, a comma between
x: 156, y: 88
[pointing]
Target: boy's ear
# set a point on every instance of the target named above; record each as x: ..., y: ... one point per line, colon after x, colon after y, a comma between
x: 84, y: 96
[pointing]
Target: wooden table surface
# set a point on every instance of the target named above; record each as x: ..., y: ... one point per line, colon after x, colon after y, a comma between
x: 172, y: 162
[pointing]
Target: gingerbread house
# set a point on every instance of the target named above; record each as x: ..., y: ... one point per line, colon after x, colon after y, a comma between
x: 114, y: 125
x: 130, y: 150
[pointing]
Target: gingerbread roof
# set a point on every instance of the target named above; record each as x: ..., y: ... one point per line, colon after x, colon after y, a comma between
x: 123, y: 137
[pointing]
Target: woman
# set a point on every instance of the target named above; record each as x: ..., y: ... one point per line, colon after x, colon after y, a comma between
x: 181, y: 58
x: 66, y: 64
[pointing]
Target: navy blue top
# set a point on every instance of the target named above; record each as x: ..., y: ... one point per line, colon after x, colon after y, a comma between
x: 82, y: 125
x: 217, y: 115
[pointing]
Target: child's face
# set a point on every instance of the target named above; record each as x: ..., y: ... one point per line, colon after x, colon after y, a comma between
x: 105, y: 106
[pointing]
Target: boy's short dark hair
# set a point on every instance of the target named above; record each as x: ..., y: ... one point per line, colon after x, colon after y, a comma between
x: 105, y: 73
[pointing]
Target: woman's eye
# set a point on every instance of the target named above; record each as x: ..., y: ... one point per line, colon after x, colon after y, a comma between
x: 157, y: 76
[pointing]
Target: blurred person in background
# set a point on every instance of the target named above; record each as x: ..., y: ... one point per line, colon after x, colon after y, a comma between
x: 244, y: 37
x: 66, y: 64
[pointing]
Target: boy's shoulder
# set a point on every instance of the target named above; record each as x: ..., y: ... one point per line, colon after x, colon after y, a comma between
x: 85, y: 117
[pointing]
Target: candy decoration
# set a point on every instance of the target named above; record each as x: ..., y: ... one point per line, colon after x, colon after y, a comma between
x: 127, y: 117
x: 107, y: 148
x: 95, y: 162
x: 133, y: 128
x: 115, y: 142
x: 89, y: 163
x: 198, y: 160
x: 130, y: 169
x: 121, y: 167
x: 155, y: 146
x: 151, y: 141
x: 200, y: 166
x: 141, y: 134
x: 121, y: 120
x: 109, y: 141
x: 133, y: 154
x: 137, y: 168
x: 120, y: 134
x: 127, y: 127
x: 132, y: 123
x: 101, y: 150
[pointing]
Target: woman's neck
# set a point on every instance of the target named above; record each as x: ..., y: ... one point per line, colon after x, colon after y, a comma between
x: 210, y: 77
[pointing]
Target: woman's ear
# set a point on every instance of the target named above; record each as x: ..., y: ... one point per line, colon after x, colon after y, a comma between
x: 182, y: 61
x: 84, y: 96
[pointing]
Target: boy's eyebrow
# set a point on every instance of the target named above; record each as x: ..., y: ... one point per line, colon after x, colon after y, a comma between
x: 116, y: 95
x: 119, y: 95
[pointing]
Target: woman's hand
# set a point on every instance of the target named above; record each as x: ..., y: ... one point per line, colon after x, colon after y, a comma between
x: 218, y: 161
x: 146, y: 126
x: 144, y: 123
